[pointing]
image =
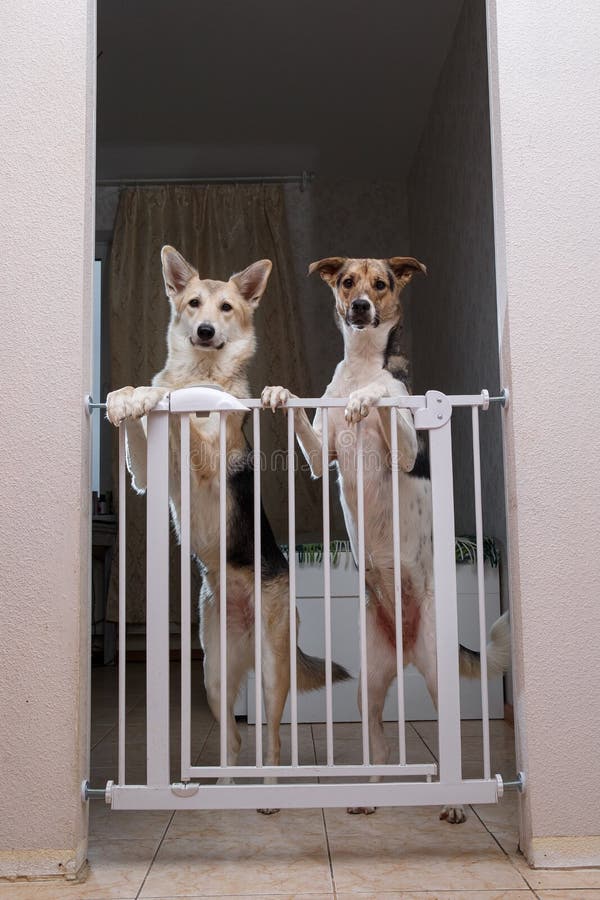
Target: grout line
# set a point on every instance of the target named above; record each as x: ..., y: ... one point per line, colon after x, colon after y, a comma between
x: 103, y: 738
x: 204, y: 742
x: 331, y: 875
x: 423, y: 741
x: 155, y: 854
x: 508, y: 856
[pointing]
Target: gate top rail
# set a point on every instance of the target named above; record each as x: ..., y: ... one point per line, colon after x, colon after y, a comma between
x: 210, y: 398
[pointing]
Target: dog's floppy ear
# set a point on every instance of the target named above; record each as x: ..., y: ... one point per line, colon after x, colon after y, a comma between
x: 176, y: 271
x: 252, y: 282
x: 404, y: 267
x: 328, y: 268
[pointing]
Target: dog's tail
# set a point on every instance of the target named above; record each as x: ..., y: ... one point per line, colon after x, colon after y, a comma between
x: 498, y: 652
x: 311, y: 672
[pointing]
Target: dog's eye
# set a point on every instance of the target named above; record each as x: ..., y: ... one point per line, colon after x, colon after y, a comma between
x: 194, y: 302
x: 226, y: 307
x: 380, y: 285
x: 348, y: 282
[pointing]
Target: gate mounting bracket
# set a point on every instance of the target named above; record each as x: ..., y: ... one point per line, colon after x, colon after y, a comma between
x: 436, y: 413
x: 518, y: 784
x: 90, y: 793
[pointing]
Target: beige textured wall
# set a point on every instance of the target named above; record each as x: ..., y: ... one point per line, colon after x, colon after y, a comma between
x: 46, y: 145
x: 546, y: 132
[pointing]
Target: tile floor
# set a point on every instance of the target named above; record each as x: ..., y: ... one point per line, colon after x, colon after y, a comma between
x: 311, y: 854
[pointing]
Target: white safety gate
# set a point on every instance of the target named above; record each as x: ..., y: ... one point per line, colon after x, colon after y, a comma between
x: 438, y: 785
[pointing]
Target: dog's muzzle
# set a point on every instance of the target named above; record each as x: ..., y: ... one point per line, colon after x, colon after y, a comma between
x: 360, y: 313
x: 205, y: 335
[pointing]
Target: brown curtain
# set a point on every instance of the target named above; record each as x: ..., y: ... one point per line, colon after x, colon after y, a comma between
x: 220, y: 229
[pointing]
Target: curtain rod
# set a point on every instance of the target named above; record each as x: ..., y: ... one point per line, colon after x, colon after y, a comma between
x: 303, y: 180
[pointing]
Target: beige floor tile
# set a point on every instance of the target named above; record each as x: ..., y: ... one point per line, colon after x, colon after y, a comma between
x: 558, y: 879
x: 441, y: 895
x: 502, y: 742
x: 236, y: 864
x: 509, y: 840
x: 255, y: 896
x: 210, y: 751
x: 56, y: 889
x: 106, y: 754
x: 117, y: 870
x: 202, y: 824
x: 100, y: 732
x: 575, y: 894
x: 502, y: 816
x: 418, y: 858
x: 394, y: 820
x: 126, y: 825
x: 347, y: 744
x: 99, y: 775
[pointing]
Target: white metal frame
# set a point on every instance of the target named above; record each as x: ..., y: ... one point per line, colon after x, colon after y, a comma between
x: 433, y: 413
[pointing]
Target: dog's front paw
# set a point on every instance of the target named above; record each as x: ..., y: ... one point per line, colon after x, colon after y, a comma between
x: 132, y: 403
x: 455, y: 815
x: 360, y: 404
x: 274, y: 397
x: 361, y: 810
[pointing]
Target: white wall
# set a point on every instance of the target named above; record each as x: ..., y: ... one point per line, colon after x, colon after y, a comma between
x: 545, y: 103
x: 46, y: 146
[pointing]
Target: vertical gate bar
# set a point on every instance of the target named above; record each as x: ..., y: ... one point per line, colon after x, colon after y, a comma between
x: 398, y: 588
x: 257, y: 589
x: 122, y: 602
x: 186, y: 618
x: 157, y: 592
x: 446, y: 617
x: 223, y: 586
x: 362, y: 592
x: 485, y: 715
x: 327, y: 584
x: 292, y: 571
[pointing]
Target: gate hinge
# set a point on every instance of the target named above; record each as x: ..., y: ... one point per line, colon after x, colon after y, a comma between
x: 436, y: 413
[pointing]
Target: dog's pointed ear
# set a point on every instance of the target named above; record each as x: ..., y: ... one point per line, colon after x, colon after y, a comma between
x: 328, y: 268
x: 177, y: 272
x: 252, y: 282
x: 404, y: 267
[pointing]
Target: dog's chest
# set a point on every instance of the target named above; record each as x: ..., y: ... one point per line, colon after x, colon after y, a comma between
x: 203, y: 464
x: 414, y: 493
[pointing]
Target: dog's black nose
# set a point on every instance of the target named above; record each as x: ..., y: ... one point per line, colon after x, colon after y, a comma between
x: 205, y: 331
x: 360, y: 305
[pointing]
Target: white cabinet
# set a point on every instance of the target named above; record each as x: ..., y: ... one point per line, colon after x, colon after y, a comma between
x: 345, y: 639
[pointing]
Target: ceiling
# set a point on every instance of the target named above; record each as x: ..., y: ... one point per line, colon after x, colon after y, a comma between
x: 247, y: 87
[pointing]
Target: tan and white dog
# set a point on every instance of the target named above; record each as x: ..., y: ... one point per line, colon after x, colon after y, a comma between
x: 368, y: 309
x: 211, y: 340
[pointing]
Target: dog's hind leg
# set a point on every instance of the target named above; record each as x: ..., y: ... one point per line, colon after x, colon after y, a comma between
x: 238, y: 663
x: 381, y: 670
x: 425, y: 659
x: 276, y: 686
